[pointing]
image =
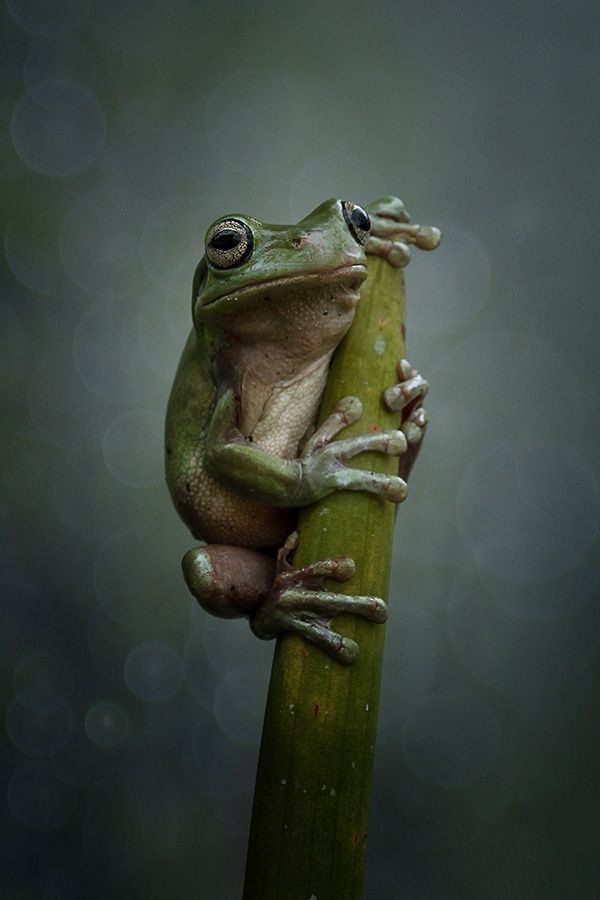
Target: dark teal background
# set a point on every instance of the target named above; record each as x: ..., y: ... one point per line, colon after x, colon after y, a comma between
x: 132, y: 720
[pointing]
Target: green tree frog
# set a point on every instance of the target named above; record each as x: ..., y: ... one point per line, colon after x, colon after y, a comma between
x: 270, y: 304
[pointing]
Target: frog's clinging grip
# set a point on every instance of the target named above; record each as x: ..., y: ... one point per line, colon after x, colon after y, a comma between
x: 270, y: 305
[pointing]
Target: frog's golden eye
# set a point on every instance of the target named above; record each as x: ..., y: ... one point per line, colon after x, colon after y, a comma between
x: 357, y: 220
x: 229, y: 243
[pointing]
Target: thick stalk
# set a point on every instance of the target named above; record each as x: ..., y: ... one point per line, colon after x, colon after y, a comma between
x: 309, y: 822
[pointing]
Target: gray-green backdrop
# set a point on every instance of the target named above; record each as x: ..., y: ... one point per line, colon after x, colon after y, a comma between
x: 132, y: 720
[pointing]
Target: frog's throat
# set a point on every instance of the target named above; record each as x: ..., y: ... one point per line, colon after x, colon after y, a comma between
x: 351, y: 277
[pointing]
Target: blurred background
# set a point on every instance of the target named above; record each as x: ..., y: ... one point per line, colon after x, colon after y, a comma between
x: 132, y: 720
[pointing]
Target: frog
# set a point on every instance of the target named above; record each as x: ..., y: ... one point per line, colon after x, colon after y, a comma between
x: 270, y: 304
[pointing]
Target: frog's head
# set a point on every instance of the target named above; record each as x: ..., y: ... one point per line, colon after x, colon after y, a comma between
x: 262, y: 280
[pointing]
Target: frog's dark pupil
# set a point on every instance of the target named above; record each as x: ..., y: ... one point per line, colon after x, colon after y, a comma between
x: 226, y: 239
x: 360, y: 219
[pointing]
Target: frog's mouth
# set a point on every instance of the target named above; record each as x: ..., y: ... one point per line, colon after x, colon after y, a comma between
x: 349, y: 278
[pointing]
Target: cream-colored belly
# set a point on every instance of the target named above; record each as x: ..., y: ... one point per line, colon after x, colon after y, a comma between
x: 288, y: 412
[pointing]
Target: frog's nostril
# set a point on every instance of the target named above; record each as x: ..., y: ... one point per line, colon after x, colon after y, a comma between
x: 297, y: 242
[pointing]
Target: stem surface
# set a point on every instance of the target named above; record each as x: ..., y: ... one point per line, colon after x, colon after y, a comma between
x: 311, y: 804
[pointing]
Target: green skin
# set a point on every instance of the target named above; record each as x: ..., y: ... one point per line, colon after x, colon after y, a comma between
x: 242, y: 454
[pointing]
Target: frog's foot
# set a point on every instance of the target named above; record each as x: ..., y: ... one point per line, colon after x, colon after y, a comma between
x: 407, y: 397
x: 324, y: 461
x: 299, y: 603
x: 391, y: 232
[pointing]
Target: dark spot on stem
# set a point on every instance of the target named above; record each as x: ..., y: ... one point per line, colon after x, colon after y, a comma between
x: 316, y: 710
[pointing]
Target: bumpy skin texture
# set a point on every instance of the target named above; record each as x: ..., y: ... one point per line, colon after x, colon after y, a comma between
x: 270, y: 305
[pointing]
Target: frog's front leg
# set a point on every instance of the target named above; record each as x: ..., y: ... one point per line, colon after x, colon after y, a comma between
x: 230, y: 582
x: 322, y: 469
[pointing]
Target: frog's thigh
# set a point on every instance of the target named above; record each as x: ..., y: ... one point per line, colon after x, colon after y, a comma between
x: 228, y: 582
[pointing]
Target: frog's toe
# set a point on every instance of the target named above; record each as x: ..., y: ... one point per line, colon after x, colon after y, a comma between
x: 396, y: 252
x: 419, y: 418
x: 295, y: 607
x: 348, y: 651
x: 346, y: 412
x: 343, y: 649
x: 400, y: 395
x: 405, y: 370
x: 324, y: 606
x: 415, y: 425
x: 339, y: 567
x: 389, y: 208
x: 414, y: 428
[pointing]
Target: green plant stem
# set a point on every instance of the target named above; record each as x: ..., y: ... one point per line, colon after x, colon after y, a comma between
x: 309, y: 822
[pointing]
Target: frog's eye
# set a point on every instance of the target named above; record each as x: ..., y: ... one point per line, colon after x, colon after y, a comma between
x: 357, y: 220
x: 229, y: 243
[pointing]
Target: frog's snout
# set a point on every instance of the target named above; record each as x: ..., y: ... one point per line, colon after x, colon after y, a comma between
x: 304, y: 240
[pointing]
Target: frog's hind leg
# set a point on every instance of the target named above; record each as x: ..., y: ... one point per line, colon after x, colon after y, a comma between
x: 299, y: 603
x: 228, y: 582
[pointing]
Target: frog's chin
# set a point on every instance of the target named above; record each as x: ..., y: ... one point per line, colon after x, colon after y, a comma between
x: 349, y: 278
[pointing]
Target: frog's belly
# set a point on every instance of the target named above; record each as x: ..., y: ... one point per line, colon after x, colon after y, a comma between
x: 220, y: 516
x: 286, y: 410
